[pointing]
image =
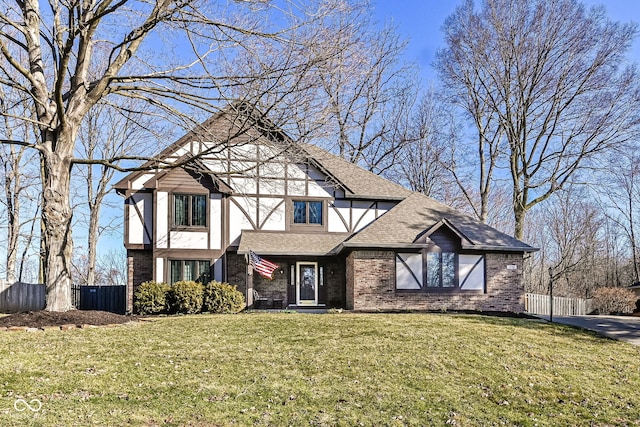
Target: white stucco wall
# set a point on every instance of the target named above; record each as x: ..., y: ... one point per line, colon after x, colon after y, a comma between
x: 215, y: 221
x: 140, y: 204
x: 188, y: 239
x: 160, y: 270
x: 162, y: 219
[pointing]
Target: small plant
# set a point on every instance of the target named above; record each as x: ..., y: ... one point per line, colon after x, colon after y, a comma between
x: 186, y: 297
x: 334, y: 311
x: 614, y: 300
x: 151, y: 298
x: 222, y: 298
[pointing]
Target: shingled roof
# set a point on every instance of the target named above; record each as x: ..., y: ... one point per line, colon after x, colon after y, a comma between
x: 417, y: 215
x: 287, y: 243
x: 357, y: 182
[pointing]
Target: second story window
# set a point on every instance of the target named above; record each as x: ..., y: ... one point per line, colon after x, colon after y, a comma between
x: 307, y: 212
x: 189, y: 210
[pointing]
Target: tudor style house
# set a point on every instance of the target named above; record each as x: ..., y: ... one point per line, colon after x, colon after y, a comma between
x: 339, y: 235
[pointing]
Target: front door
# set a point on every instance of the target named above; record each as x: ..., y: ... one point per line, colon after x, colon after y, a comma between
x: 307, y: 283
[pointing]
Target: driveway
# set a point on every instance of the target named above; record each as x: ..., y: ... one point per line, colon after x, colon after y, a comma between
x: 625, y: 328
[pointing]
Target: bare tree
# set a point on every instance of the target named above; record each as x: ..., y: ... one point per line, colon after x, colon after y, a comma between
x: 112, y: 266
x: 425, y: 139
x: 574, y: 224
x: 107, y: 132
x: 620, y: 189
x: 19, y: 178
x: 553, y: 95
x: 365, y: 87
x: 351, y: 102
x: 49, y: 56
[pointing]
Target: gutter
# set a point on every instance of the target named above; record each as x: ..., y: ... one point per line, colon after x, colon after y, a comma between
x: 418, y: 246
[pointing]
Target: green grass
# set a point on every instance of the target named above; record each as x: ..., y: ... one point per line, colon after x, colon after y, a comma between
x: 334, y: 369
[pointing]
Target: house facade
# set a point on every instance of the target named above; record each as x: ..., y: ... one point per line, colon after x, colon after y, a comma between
x: 340, y: 236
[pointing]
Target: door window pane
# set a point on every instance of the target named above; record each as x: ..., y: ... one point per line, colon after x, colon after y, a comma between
x: 308, y: 282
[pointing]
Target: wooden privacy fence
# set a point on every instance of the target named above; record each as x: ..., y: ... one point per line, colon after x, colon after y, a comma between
x: 540, y: 304
x: 16, y: 297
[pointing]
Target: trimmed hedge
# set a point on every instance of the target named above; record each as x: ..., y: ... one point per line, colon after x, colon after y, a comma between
x: 222, y: 298
x: 151, y: 298
x: 186, y: 297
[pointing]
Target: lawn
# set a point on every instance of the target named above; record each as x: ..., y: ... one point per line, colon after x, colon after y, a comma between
x: 310, y: 369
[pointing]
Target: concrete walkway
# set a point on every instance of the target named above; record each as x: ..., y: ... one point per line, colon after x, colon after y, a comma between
x: 624, y: 328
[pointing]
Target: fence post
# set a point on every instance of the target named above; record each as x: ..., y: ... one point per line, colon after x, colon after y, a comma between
x: 550, y: 294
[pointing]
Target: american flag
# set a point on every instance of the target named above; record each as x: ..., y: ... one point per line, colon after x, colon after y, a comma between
x: 261, y: 265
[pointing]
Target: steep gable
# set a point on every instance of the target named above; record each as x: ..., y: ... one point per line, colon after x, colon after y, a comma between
x: 236, y: 131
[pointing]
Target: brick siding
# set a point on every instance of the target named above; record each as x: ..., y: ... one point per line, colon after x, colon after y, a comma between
x: 237, y: 271
x: 371, y: 286
x: 278, y: 288
x: 139, y: 270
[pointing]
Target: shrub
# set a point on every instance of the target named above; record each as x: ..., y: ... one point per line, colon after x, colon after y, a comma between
x: 151, y: 298
x: 186, y: 297
x: 614, y: 300
x: 222, y: 298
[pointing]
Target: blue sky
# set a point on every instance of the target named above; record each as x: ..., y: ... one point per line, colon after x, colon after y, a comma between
x: 420, y: 22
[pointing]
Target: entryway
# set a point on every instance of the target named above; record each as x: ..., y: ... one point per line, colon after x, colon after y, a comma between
x: 306, y: 283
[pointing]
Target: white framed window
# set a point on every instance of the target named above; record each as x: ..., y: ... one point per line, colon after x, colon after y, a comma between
x: 196, y: 270
x: 189, y: 210
x: 308, y: 212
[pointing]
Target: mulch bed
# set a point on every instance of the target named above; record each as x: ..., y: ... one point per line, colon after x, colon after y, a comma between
x: 43, y: 318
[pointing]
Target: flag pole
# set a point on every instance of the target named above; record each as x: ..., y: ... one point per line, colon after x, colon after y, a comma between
x: 246, y: 280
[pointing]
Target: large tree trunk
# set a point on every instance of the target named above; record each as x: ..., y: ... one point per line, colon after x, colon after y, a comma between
x: 92, y: 243
x: 520, y: 215
x: 56, y: 218
x: 13, y: 224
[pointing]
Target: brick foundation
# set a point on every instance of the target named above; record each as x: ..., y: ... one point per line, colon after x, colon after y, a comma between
x: 371, y: 286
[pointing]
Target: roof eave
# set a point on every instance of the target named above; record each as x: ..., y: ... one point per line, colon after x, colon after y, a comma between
x: 282, y: 253
x: 374, y: 197
x: 418, y: 246
x: 359, y: 245
x: 494, y: 248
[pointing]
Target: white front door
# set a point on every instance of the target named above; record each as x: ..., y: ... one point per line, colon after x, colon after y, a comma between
x: 307, y: 283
